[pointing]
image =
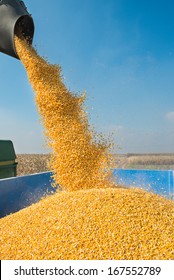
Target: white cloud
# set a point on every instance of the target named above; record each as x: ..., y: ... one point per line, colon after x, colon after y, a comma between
x: 170, y: 116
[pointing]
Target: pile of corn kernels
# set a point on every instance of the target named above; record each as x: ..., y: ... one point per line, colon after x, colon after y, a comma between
x: 89, y: 219
x: 99, y: 224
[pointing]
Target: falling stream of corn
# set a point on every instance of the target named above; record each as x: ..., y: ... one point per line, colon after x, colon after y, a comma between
x: 78, y: 160
x: 90, y: 218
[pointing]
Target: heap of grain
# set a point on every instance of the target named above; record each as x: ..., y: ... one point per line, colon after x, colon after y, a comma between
x: 89, y: 219
x: 101, y: 223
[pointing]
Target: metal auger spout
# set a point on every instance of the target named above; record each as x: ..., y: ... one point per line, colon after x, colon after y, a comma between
x: 14, y: 19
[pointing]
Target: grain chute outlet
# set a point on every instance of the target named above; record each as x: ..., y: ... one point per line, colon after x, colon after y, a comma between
x: 14, y: 19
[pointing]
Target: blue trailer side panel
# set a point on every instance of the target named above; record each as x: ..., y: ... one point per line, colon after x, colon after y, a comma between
x: 157, y: 181
x: 20, y: 192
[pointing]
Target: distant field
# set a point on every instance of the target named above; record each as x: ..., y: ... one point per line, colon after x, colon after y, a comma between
x: 145, y: 161
x: 35, y: 163
x: 32, y: 163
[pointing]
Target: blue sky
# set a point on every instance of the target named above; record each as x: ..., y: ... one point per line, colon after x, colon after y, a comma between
x: 120, y: 52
